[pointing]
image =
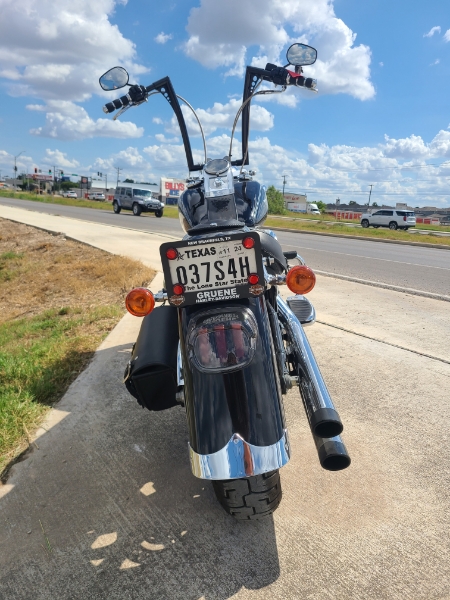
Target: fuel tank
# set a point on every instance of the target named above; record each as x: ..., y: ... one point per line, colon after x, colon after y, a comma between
x: 248, y: 206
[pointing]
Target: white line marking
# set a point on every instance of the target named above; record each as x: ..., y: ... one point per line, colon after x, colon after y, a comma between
x: 400, y: 262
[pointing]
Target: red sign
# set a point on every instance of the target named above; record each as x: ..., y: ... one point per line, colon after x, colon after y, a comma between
x: 169, y: 185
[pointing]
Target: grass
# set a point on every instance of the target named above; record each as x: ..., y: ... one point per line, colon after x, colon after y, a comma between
x: 343, y: 229
x: 58, y: 300
x: 48, y: 199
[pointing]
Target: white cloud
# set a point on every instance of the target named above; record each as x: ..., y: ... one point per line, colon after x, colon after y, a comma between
x: 157, y: 121
x: 436, y: 62
x: 221, y: 116
x: 162, y: 37
x: 161, y: 138
x: 432, y: 31
x: 447, y: 36
x: 68, y: 121
x: 59, y: 159
x: 407, y: 148
x: 60, y: 53
x: 264, y: 27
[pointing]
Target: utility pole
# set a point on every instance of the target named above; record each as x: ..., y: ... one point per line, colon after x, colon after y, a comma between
x: 370, y: 193
x: 284, y: 183
x: 15, y: 168
x: 118, y: 169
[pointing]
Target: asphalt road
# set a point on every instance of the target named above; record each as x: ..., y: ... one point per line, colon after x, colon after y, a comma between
x: 426, y: 269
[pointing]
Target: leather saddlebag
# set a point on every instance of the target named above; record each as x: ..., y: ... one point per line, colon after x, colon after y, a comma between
x: 151, y: 374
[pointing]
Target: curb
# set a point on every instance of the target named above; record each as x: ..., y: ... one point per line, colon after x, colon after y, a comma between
x: 357, y: 237
x: 386, y: 286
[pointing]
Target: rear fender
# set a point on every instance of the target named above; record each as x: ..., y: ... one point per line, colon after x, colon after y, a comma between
x: 236, y: 419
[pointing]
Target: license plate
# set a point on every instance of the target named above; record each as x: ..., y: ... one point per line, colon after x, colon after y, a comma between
x: 213, y: 269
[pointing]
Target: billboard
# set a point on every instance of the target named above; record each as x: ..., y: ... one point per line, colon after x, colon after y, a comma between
x: 172, y: 187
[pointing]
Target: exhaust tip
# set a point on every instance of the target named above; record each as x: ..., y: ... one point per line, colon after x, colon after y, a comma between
x: 333, y: 455
x: 325, y: 423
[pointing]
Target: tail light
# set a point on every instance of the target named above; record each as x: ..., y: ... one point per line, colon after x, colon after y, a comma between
x: 222, y: 340
x: 140, y: 302
x: 404, y: 218
x: 300, y: 279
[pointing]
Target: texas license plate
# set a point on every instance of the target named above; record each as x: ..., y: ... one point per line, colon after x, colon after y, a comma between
x: 226, y: 267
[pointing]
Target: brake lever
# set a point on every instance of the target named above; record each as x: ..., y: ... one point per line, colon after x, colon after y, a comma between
x: 121, y: 111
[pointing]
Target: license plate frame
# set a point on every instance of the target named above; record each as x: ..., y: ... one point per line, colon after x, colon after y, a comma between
x: 211, y: 286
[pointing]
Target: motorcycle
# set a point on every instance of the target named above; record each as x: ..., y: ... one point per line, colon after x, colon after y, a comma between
x: 224, y: 343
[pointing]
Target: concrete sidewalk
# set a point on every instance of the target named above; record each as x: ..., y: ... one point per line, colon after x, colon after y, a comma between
x: 105, y: 507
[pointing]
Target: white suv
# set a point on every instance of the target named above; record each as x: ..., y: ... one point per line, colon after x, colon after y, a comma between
x: 394, y: 219
x: 96, y: 196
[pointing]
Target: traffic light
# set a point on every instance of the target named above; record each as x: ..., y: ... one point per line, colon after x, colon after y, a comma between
x: 35, y: 169
x: 62, y: 173
x: 99, y: 174
x: 49, y: 171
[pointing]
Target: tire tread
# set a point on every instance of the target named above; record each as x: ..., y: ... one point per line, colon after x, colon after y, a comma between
x: 250, y: 498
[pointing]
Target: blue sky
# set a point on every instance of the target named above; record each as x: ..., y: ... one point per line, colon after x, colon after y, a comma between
x: 381, y: 117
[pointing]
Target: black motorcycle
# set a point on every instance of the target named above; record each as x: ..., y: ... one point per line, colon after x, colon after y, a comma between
x: 224, y: 344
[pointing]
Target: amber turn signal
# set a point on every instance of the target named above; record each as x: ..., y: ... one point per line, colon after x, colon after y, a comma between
x: 300, y: 279
x: 140, y: 302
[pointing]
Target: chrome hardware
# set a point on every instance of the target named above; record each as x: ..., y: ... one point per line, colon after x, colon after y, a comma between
x: 160, y: 296
x: 322, y: 416
x: 240, y: 459
x: 275, y: 279
x: 302, y: 309
x: 300, y: 259
x: 180, y: 375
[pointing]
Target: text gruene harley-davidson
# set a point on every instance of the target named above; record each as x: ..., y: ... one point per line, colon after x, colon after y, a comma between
x: 224, y: 343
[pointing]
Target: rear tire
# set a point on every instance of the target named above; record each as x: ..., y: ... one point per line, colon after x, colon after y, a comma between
x: 136, y: 210
x: 393, y: 225
x: 251, y: 498
x: 365, y: 223
x: 158, y: 213
x: 116, y: 207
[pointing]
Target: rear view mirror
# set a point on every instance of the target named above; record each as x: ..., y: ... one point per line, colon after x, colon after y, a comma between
x: 301, y: 54
x: 114, y: 79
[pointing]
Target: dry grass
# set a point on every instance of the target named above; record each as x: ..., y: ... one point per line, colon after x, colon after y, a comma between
x: 40, y: 271
x: 58, y: 300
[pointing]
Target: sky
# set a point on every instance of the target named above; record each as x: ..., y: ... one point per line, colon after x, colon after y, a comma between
x: 381, y: 116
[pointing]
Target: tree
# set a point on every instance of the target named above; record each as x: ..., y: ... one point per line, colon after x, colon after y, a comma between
x: 352, y: 203
x: 276, y: 201
x: 321, y: 206
x: 128, y: 181
x: 374, y: 204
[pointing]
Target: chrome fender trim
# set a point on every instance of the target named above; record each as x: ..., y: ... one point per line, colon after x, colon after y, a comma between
x: 239, y: 459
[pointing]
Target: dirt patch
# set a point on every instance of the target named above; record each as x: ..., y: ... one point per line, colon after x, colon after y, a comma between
x: 41, y: 271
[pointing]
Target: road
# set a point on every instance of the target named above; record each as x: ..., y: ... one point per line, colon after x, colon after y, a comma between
x: 426, y: 269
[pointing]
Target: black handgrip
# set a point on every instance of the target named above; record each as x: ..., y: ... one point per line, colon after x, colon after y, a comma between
x: 115, y: 104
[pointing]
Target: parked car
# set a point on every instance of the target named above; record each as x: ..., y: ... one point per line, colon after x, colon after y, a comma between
x: 394, y: 219
x: 96, y: 196
x: 136, y: 198
x: 70, y: 194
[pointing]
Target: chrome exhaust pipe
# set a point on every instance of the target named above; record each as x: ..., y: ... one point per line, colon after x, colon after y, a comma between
x: 323, y: 418
x: 333, y: 455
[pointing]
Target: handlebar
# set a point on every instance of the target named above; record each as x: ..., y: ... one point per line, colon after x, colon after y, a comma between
x: 267, y: 74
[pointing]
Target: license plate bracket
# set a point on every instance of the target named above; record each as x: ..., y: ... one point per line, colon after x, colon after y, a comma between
x: 213, y: 269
